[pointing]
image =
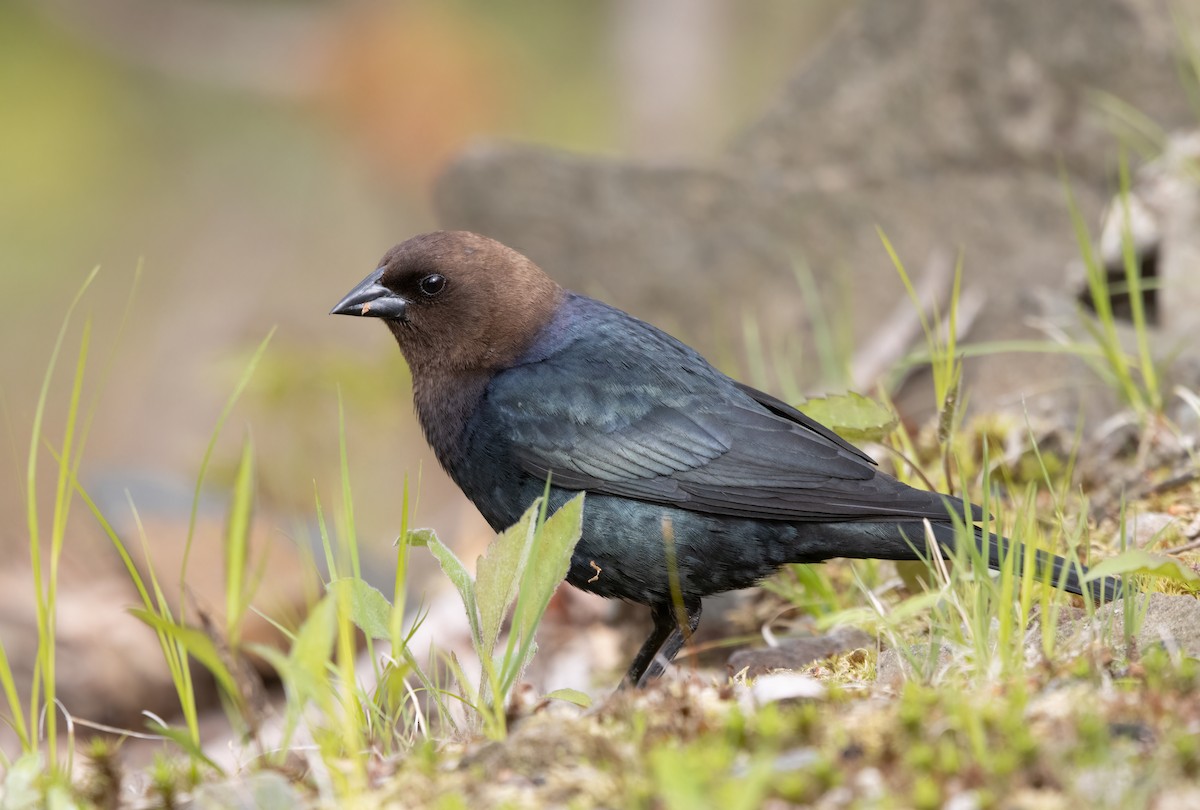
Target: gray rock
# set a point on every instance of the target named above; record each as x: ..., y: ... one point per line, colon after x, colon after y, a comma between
x: 1151, y: 529
x: 653, y: 240
x: 1172, y: 620
x: 976, y: 86
x: 260, y: 791
x: 796, y: 653
x: 944, y: 125
x: 894, y: 666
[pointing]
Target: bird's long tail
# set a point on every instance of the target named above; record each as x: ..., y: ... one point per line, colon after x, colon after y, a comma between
x: 1047, y: 567
x: 906, y: 541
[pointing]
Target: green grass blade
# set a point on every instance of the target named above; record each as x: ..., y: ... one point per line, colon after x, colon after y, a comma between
x: 1133, y: 279
x: 399, y: 591
x: 1135, y: 129
x: 237, y: 546
x: 347, y: 500
x: 197, y: 644
x: 13, y: 698
x: 44, y: 592
x: 242, y: 382
x: 1106, y: 336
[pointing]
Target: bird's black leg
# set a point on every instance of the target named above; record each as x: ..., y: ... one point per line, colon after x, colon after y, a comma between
x: 663, y: 644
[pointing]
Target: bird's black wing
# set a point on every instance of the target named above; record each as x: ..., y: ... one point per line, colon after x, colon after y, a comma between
x: 649, y: 419
x: 781, y: 408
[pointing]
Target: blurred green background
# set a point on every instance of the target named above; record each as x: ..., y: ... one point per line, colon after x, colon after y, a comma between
x: 257, y: 158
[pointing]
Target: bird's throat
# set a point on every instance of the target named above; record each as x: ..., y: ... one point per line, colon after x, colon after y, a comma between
x: 444, y: 404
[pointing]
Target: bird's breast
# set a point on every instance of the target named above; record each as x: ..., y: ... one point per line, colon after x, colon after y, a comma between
x: 445, y: 406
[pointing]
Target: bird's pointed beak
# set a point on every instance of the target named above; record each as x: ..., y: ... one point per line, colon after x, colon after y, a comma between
x: 372, y: 299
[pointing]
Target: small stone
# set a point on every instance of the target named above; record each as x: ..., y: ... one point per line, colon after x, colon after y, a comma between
x: 261, y: 791
x: 893, y: 668
x: 781, y: 686
x: 797, y: 653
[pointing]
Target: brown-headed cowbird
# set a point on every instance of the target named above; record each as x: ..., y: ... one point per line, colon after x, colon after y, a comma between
x: 696, y: 483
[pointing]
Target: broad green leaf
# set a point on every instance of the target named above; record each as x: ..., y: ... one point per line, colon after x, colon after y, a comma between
x: 311, y: 651
x: 548, y: 567
x: 419, y: 537
x: 571, y: 696
x: 1138, y: 561
x: 710, y: 773
x: 453, y: 568
x: 498, y: 574
x: 369, y: 609
x: 852, y: 416
x: 555, y: 542
x: 300, y: 686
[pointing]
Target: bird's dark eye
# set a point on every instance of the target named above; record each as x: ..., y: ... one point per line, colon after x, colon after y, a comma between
x: 432, y: 284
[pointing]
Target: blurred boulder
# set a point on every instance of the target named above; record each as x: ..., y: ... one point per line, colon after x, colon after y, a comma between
x: 282, y: 574
x: 943, y: 125
x: 110, y: 667
x: 1171, y: 621
x: 654, y: 239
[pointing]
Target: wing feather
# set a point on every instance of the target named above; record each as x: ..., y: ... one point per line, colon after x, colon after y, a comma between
x: 670, y: 429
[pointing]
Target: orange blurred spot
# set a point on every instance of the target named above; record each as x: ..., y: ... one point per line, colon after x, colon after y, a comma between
x: 412, y: 85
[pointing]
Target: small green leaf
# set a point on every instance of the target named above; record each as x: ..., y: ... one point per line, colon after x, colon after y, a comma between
x: 547, y: 568
x: 419, y: 537
x: 556, y: 540
x: 453, y: 568
x: 369, y: 609
x: 498, y: 574
x: 1138, y: 561
x: 852, y: 416
x: 313, y: 647
x: 571, y: 696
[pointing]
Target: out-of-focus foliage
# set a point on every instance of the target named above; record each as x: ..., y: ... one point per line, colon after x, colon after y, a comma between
x: 254, y: 157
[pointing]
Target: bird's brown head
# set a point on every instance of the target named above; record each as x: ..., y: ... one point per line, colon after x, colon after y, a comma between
x: 456, y: 301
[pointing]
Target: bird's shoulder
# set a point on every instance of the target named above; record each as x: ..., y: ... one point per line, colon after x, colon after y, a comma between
x: 594, y: 363
x: 585, y: 330
x: 606, y: 396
